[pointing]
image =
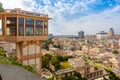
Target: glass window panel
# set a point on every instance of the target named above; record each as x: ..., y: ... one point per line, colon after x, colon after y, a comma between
x: 29, y: 27
x: 21, y: 27
x: 39, y: 24
x: 11, y: 26
x: 45, y: 27
x: 0, y: 26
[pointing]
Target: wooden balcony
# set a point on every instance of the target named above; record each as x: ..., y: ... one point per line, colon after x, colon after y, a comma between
x: 23, y: 38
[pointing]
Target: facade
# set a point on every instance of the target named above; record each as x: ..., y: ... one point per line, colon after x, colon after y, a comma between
x: 81, y: 34
x: 87, y: 71
x: 102, y: 35
x: 27, y: 30
x: 90, y: 38
x: 119, y: 43
x: 76, y: 62
x: 7, y: 47
x: 111, y: 33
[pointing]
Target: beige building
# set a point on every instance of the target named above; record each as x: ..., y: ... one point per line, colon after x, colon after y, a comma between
x: 111, y: 33
x: 119, y: 43
x: 102, y: 35
x: 76, y: 62
x: 85, y: 70
x: 8, y: 47
x: 27, y: 30
x: 113, y: 63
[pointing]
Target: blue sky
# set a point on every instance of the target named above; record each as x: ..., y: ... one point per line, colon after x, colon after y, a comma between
x: 71, y: 16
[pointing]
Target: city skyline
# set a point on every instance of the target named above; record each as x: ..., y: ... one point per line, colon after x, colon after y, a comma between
x: 71, y: 16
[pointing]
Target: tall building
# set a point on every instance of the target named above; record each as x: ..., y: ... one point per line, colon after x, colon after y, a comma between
x: 81, y: 34
x: 102, y: 35
x: 27, y: 30
x: 111, y: 33
x: 50, y: 35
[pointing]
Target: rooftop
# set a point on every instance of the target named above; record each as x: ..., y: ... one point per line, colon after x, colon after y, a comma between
x: 19, y: 11
x: 102, y: 32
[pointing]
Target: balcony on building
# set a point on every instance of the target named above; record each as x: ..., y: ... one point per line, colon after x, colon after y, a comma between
x: 19, y: 25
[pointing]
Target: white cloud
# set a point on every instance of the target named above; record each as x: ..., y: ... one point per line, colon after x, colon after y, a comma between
x: 92, y: 23
x: 62, y: 25
x: 11, y: 4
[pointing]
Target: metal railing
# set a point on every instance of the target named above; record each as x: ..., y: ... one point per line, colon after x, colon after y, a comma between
x: 17, y: 10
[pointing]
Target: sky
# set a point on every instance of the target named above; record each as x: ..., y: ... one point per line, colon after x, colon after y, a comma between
x: 71, y: 16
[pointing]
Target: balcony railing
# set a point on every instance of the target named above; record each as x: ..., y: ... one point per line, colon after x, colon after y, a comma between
x: 17, y: 10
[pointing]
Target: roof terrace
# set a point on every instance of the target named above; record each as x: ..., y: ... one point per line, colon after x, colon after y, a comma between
x: 19, y: 11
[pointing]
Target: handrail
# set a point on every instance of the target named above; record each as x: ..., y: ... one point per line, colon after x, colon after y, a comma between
x: 17, y: 10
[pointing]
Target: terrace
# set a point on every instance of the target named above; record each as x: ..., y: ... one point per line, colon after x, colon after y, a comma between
x: 19, y: 11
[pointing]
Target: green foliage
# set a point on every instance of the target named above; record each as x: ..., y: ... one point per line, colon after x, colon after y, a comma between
x: 1, y: 8
x: 5, y: 60
x: 69, y: 78
x: 14, y: 62
x: 78, y: 76
x: 48, y: 56
x: 30, y: 68
x: 51, y: 78
x: 60, y: 57
x: 65, y: 64
x: 2, y: 52
x: 111, y: 75
x: 55, y: 62
x: 57, y: 46
x: 115, y: 52
x: 65, y: 58
x: 47, y: 43
x: 46, y: 60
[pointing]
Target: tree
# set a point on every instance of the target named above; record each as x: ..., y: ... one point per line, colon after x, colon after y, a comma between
x: 2, y: 53
x: 55, y: 62
x: 49, y: 56
x: 78, y: 76
x: 57, y: 46
x: 45, y: 62
x: 1, y: 8
x: 111, y: 75
x: 60, y: 58
x: 115, y: 52
x: 47, y: 43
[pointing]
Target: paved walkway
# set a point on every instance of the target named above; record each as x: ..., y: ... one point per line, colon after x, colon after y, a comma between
x: 11, y: 72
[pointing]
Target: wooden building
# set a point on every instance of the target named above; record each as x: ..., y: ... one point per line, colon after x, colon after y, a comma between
x: 28, y: 30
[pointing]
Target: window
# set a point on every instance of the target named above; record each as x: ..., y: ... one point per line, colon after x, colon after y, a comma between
x: 29, y: 27
x: 21, y: 26
x: 45, y: 27
x: 39, y: 24
x: 0, y: 26
x: 11, y: 26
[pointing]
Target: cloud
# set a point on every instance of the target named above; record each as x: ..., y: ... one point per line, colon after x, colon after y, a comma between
x: 93, y: 23
x: 71, y: 16
x: 58, y: 10
x: 11, y: 4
